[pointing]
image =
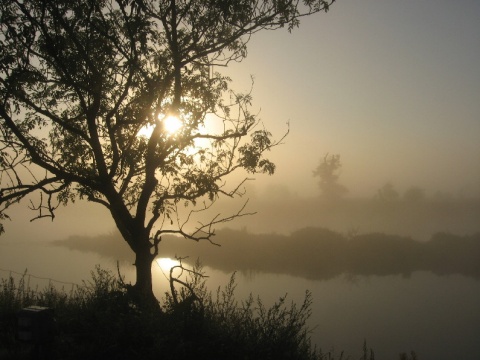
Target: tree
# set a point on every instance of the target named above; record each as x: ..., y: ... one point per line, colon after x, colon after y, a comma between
x: 388, y: 193
x: 81, y: 79
x: 414, y: 194
x: 328, y: 172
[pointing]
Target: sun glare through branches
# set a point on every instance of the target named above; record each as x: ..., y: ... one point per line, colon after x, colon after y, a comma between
x: 171, y: 124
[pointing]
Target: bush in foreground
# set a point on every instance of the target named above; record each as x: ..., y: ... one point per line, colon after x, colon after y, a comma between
x: 100, y: 321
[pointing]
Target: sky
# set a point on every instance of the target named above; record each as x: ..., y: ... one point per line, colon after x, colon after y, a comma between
x: 391, y: 86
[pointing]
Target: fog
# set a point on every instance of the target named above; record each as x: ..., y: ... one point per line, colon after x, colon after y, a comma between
x: 400, y: 293
x: 276, y: 211
x: 310, y: 253
x: 418, y: 218
x: 400, y: 273
x: 322, y: 238
x: 392, y: 87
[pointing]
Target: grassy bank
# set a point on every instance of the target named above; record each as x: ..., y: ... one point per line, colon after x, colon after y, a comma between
x: 99, y: 321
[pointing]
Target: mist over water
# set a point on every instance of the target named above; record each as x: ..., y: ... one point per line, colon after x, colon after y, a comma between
x: 418, y: 219
x: 411, y: 284
x: 436, y: 316
x: 402, y: 275
x: 310, y: 253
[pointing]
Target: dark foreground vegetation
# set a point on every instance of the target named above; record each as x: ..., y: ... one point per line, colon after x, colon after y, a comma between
x: 100, y: 321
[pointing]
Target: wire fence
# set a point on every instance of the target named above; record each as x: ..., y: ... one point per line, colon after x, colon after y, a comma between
x: 27, y: 283
x: 35, y: 284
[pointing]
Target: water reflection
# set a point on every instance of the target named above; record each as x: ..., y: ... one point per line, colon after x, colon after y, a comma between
x: 437, y: 317
x: 321, y: 254
x: 312, y: 253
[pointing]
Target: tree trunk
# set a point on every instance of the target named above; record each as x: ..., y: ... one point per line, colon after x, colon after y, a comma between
x: 143, y: 287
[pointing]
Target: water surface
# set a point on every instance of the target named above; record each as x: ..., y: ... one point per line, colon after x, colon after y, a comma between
x: 436, y: 316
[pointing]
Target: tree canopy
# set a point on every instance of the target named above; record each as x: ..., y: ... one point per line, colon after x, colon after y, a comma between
x: 328, y: 172
x: 81, y: 80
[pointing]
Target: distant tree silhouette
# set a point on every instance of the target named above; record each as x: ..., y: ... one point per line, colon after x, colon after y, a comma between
x: 414, y: 194
x: 80, y: 80
x: 442, y: 196
x: 388, y: 193
x: 328, y: 172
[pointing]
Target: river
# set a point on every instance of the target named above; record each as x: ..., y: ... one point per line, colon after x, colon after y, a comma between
x: 436, y: 316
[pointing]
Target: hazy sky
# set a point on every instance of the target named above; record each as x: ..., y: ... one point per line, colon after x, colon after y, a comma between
x: 392, y: 86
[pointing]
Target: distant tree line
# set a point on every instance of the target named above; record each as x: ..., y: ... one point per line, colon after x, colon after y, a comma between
x: 388, y: 193
x: 319, y: 253
x: 328, y: 173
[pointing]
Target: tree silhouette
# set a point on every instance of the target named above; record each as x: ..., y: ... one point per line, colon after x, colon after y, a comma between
x: 328, y: 172
x: 414, y: 194
x: 388, y: 193
x: 81, y: 79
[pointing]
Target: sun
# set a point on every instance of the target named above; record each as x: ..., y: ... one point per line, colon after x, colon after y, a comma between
x: 167, y: 263
x: 172, y: 124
